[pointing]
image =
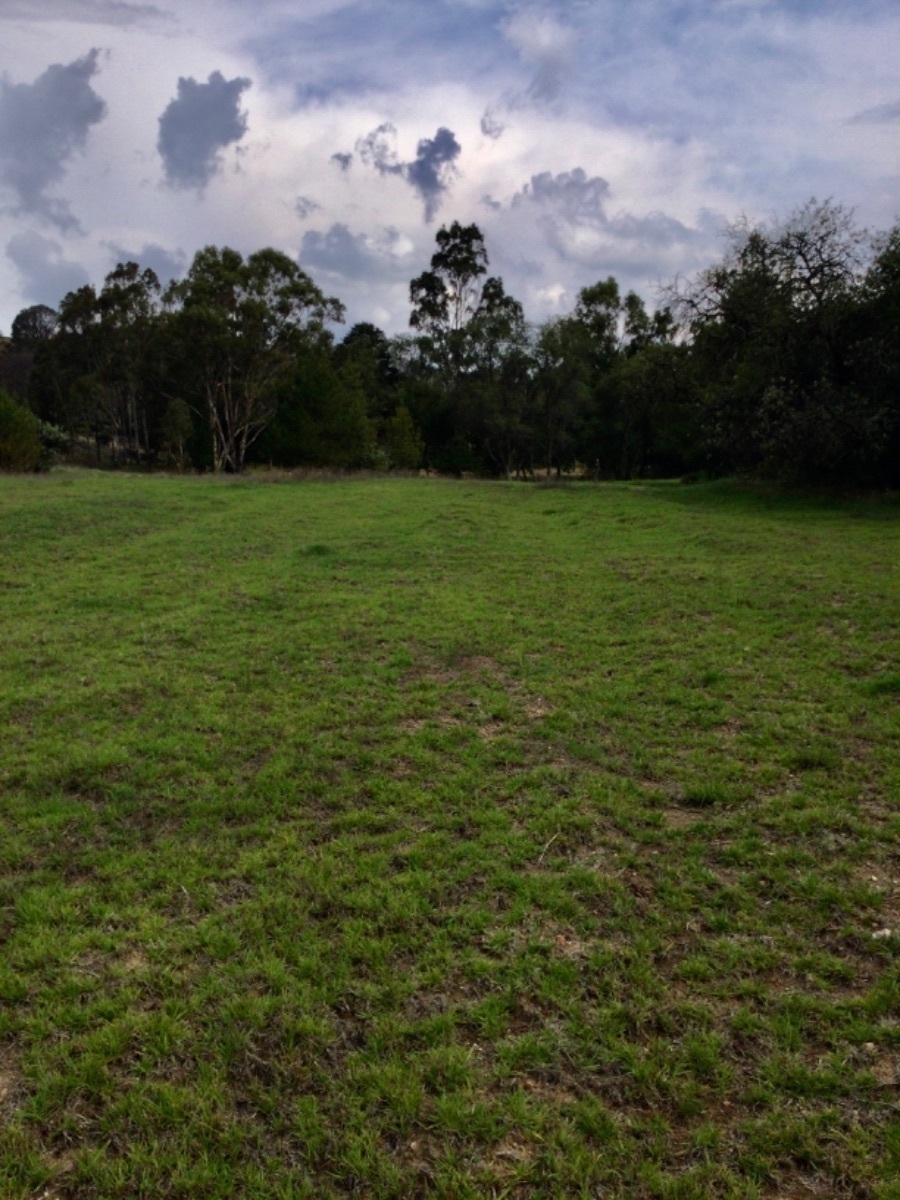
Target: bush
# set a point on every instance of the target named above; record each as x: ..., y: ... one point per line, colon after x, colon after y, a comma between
x: 54, y: 444
x: 20, y: 441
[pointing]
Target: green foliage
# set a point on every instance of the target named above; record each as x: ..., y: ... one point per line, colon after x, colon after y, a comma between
x: 789, y: 352
x: 404, y: 442
x: 54, y: 444
x: 780, y: 360
x: 176, y: 428
x: 240, y: 326
x: 369, y: 350
x: 20, y: 436
x: 33, y: 325
x: 321, y: 416
x: 446, y: 297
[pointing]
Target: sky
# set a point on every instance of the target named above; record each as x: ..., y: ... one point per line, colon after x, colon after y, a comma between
x: 585, y: 138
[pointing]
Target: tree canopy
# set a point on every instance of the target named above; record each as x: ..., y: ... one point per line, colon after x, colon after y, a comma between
x: 781, y: 358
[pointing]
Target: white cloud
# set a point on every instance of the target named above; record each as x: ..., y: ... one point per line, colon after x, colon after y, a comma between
x: 678, y: 118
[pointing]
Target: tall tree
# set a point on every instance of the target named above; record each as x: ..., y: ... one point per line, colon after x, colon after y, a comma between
x: 473, y: 358
x: 33, y: 325
x: 128, y: 304
x: 768, y: 326
x: 446, y: 296
x: 369, y: 350
x: 243, y: 323
x: 30, y: 328
x: 563, y: 388
x: 501, y: 353
x: 99, y: 357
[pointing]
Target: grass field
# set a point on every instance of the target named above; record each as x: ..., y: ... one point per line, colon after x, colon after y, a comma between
x: 400, y: 838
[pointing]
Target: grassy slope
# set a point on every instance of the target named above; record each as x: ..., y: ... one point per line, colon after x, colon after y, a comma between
x: 402, y: 838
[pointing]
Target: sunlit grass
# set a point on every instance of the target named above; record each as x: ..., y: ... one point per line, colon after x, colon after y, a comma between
x: 407, y: 837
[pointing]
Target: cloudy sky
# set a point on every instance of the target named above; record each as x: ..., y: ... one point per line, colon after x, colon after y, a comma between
x: 584, y: 137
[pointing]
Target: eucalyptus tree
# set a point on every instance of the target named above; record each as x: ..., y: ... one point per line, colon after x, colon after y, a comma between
x: 502, y: 357
x: 474, y: 351
x: 239, y: 325
x: 128, y: 305
x: 90, y: 375
x: 446, y: 297
x: 562, y: 391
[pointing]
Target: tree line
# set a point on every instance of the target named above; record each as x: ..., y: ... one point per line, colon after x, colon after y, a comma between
x: 782, y: 359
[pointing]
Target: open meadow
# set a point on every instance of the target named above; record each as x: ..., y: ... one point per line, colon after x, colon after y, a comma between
x: 406, y: 838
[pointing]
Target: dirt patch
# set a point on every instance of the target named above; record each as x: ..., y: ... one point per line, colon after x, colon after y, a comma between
x: 465, y: 672
x: 570, y: 946
x: 491, y: 730
x: 422, y: 1152
x: 811, y: 1190
x: 886, y: 1070
x: 12, y: 1083
x: 682, y: 818
x: 509, y: 1157
x: 537, y: 708
x: 729, y: 730
x: 883, y: 1064
x: 483, y: 664
x: 9, y: 1083
x: 556, y: 1094
x: 402, y: 768
x: 135, y: 962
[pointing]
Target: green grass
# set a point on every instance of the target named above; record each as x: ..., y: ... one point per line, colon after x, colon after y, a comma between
x: 401, y: 838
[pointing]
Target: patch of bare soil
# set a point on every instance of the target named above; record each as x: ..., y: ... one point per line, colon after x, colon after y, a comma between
x: 463, y: 671
x: 10, y: 1081
x: 683, y: 818
x: 508, y: 1157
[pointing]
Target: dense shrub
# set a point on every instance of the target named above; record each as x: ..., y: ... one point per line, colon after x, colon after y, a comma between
x: 20, y: 442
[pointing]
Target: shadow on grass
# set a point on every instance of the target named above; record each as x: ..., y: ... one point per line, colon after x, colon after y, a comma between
x: 755, y: 496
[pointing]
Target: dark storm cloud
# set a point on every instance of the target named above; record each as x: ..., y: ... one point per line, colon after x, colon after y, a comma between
x: 571, y: 193
x: 377, y: 150
x: 492, y: 125
x: 430, y: 172
x: 167, y: 264
x: 571, y: 211
x: 200, y: 122
x: 42, y: 124
x: 881, y: 114
x: 579, y: 199
x: 304, y: 206
x: 46, y: 275
x: 348, y: 255
x: 88, y: 12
